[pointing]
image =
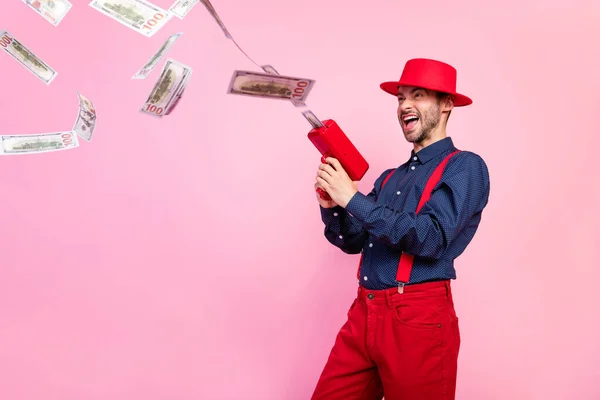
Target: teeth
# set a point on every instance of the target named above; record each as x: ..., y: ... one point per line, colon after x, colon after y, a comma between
x: 409, y: 117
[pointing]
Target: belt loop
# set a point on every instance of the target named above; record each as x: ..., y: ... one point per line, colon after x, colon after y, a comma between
x: 447, y: 286
x: 389, y: 299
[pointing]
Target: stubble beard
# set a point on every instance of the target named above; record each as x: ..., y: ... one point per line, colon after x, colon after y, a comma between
x: 429, y: 121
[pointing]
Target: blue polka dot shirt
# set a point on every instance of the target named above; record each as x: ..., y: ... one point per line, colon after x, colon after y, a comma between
x: 383, y: 223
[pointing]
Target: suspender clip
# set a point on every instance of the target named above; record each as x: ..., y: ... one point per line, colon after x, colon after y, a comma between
x: 400, y: 287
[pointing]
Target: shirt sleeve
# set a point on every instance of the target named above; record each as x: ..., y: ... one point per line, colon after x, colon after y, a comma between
x: 342, y: 229
x: 462, y: 192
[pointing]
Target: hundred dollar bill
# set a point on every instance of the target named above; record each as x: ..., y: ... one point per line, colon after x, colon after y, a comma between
x: 29, y: 60
x: 53, y: 11
x: 40, y: 143
x: 151, y: 63
x: 256, y: 84
x: 269, y: 69
x: 181, y: 7
x: 86, y: 119
x: 213, y: 12
x: 167, y: 87
x: 139, y: 15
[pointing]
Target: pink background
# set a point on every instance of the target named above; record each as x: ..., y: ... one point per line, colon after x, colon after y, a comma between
x: 184, y: 257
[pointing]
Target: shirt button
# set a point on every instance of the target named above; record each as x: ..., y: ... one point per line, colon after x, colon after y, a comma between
x: 370, y: 245
x: 365, y: 278
x: 341, y: 237
x: 398, y: 193
x: 413, y: 167
x: 415, y: 158
x: 335, y: 214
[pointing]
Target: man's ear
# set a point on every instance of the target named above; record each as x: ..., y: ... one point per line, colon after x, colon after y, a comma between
x: 449, y: 102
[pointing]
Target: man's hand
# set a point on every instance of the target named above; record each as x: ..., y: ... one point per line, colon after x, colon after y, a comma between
x: 324, y: 203
x: 335, y: 181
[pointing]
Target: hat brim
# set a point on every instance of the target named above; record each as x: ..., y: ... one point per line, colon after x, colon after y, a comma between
x: 391, y: 87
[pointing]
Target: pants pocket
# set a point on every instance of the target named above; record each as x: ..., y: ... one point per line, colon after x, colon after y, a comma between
x: 419, y: 316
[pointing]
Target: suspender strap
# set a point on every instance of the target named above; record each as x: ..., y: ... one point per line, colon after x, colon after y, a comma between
x: 406, y: 260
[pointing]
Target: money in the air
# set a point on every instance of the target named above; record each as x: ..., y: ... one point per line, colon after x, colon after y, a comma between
x: 178, y: 95
x: 139, y: 15
x: 52, y: 11
x: 86, y: 119
x: 40, y: 143
x: 29, y: 60
x: 269, y: 69
x: 160, y: 53
x: 181, y: 7
x: 169, y: 84
x: 270, y: 86
x: 213, y: 12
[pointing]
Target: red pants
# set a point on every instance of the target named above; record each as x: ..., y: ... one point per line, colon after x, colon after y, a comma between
x: 404, y: 346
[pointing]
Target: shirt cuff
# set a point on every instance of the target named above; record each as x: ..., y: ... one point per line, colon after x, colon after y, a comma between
x: 328, y: 213
x: 360, y: 206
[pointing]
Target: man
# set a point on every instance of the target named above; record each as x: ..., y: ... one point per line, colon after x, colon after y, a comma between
x: 401, y: 338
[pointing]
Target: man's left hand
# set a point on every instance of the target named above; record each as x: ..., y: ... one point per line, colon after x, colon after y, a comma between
x: 334, y: 179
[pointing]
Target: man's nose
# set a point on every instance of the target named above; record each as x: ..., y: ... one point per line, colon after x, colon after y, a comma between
x: 405, y: 106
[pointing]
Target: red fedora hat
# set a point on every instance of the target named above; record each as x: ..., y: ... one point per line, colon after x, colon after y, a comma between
x: 428, y: 74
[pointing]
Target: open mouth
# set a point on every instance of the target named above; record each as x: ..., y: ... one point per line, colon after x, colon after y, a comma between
x: 409, y: 121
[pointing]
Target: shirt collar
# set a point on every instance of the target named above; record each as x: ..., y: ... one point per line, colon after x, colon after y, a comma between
x: 433, y: 150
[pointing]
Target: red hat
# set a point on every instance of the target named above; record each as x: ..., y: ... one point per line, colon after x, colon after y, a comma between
x: 428, y: 74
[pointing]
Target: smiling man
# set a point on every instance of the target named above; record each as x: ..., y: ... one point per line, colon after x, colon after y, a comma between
x: 401, y: 337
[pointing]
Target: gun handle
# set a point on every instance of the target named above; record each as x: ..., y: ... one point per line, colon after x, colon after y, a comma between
x: 324, y: 195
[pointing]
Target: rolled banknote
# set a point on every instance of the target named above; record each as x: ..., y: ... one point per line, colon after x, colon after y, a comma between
x: 160, y: 53
x: 40, y: 143
x: 86, y: 119
x: 181, y: 7
x: 166, y: 88
x: 29, y: 60
x: 139, y: 15
x: 53, y: 11
x: 270, y: 86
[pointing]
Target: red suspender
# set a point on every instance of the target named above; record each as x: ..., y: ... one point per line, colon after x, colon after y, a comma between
x: 406, y: 260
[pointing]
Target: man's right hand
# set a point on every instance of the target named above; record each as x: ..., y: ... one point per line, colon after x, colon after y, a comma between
x: 324, y: 203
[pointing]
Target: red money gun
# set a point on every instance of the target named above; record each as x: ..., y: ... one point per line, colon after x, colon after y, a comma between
x: 331, y: 141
